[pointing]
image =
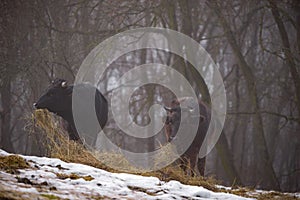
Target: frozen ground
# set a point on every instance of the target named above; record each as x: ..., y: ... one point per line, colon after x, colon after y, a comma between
x: 49, y: 178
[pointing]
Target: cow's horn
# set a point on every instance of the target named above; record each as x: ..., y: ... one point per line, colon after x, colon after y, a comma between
x: 168, y: 109
x: 64, y: 84
x: 191, y: 109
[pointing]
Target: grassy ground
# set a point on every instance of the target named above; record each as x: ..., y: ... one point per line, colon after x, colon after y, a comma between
x: 59, y: 146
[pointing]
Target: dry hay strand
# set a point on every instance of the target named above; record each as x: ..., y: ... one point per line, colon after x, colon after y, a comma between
x: 118, y: 161
x: 167, y: 154
x: 12, y: 163
x: 58, y: 144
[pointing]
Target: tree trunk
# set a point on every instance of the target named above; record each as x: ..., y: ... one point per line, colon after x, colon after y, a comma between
x: 264, y: 168
x: 227, y: 159
x: 5, y: 142
x: 287, y: 51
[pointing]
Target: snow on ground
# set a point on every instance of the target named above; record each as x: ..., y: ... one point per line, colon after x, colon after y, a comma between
x: 43, y: 179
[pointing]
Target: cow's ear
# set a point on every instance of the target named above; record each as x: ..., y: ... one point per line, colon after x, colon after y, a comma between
x: 64, y: 84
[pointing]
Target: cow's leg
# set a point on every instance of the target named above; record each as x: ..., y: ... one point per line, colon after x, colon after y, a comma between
x: 73, y: 135
x: 167, y: 132
x: 188, y: 164
x: 201, y: 165
x: 193, y: 165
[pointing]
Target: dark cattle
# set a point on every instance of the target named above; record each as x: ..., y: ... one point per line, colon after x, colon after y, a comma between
x: 172, y: 123
x: 58, y: 99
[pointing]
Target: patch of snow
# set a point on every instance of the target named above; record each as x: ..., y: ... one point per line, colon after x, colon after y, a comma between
x: 43, y: 172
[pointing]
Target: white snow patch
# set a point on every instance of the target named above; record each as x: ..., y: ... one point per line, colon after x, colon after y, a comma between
x: 112, y: 185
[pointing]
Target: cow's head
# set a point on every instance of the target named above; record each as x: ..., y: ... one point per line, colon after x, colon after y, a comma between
x: 174, y: 115
x: 172, y: 122
x: 57, y: 98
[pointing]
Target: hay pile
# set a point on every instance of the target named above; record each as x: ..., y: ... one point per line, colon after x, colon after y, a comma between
x: 58, y: 145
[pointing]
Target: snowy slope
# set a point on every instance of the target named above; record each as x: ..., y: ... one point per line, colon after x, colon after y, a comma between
x: 42, y: 180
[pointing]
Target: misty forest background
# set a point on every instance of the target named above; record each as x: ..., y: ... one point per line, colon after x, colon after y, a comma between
x: 255, y: 43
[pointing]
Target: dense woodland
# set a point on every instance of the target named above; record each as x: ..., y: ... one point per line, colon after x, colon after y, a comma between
x: 256, y: 45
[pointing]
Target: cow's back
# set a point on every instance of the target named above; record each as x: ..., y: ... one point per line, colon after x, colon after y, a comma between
x: 90, y: 112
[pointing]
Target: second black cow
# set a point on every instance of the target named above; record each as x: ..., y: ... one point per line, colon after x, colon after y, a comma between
x: 58, y: 99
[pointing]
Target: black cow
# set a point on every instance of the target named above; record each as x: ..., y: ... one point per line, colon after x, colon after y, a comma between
x: 172, y: 123
x: 58, y: 99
